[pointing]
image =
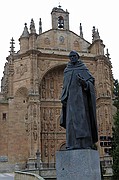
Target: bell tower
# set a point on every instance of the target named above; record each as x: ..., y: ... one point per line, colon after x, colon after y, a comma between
x: 60, y: 18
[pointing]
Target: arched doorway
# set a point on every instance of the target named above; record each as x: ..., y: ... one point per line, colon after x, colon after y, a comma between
x: 52, y: 135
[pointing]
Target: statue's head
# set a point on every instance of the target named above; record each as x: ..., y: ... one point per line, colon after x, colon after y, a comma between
x: 73, y: 56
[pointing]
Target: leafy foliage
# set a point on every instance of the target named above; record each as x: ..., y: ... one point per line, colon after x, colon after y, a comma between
x: 115, y: 139
x: 116, y: 93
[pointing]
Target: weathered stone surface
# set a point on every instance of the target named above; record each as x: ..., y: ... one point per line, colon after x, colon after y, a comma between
x: 78, y: 165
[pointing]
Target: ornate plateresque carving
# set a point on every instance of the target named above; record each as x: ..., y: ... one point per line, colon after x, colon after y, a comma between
x: 50, y: 111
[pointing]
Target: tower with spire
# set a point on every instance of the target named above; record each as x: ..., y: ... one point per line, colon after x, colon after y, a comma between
x: 24, y: 40
x: 60, y: 18
x: 40, y: 26
x: 81, y: 32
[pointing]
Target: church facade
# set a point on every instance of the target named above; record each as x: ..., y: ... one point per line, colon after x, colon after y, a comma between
x: 31, y: 86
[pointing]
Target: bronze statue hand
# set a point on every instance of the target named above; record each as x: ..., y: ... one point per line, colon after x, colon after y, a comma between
x: 82, y: 81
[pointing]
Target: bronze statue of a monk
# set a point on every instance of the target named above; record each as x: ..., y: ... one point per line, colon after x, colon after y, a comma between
x: 78, y: 100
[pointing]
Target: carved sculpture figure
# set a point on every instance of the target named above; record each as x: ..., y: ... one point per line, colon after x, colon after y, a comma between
x: 78, y: 100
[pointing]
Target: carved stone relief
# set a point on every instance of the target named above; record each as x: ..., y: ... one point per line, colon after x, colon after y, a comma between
x: 61, y: 39
x: 47, y: 41
x: 52, y: 147
x: 43, y: 64
x: 52, y: 84
x: 106, y: 73
x: 46, y: 149
x: 76, y: 43
x: 21, y: 69
x: 50, y: 111
x: 92, y: 68
x: 35, y: 131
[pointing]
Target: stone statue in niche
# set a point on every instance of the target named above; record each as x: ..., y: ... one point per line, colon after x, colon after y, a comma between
x: 78, y: 115
x: 35, y: 130
x: 52, y: 147
x: 35, y: 135
x: 44, y: 114
x: 43, y: 93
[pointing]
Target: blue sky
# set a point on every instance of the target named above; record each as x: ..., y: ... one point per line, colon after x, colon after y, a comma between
x: 102, y: 14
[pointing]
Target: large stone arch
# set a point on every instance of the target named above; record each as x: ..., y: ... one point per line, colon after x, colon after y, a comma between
x: 49, y: 68
x: 23, y: 91
x: 52, y: 81
x: 52, y: 135
x: 20, y: 98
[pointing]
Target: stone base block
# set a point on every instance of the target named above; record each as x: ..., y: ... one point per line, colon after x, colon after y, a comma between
x: 31, y: 164
x: 78, y: 164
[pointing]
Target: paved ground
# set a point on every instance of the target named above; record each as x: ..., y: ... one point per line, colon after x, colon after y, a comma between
x: 6, y: 176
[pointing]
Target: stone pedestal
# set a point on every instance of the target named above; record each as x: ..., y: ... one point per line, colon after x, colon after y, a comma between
x: 31, y: 164
x: 78, y: 165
